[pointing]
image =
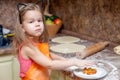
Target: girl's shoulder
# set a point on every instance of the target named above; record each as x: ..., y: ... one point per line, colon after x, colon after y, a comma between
x: 26, y: 50
x: 30, y: 50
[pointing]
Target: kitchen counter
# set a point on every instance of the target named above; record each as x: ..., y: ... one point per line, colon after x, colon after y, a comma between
x: 5, y: 50
x: 105, y: 55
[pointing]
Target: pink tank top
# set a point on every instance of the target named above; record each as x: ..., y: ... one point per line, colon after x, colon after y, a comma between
x: 24, y: 63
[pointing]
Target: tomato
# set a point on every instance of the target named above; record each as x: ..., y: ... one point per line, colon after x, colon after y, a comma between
x: 57, y: 21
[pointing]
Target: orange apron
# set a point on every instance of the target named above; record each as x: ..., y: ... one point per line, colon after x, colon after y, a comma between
x: 37, y: 72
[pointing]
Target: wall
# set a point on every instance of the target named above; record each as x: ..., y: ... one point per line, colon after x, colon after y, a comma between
x: 99, y: 19
x: 96, y: 18
x: 8, y: 12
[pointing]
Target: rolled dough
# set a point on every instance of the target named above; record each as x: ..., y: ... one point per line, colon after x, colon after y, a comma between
x: 65, y: 39
x: 67, y: 48
x: 117, y: 49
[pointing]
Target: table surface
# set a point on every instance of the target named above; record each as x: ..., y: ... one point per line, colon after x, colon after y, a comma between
x: 105, y: 55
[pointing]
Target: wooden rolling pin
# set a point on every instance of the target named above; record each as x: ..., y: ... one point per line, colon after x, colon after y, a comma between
x: 92, y: 49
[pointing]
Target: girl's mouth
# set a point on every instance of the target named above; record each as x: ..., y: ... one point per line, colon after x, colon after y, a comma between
x: 38, y: 30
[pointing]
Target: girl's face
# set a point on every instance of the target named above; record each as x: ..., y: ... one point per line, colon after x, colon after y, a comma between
x: 32, y: 23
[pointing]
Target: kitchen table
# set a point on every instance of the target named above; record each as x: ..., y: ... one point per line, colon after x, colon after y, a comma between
x: 105, y: 55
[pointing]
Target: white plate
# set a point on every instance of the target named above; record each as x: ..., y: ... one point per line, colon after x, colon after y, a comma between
x: 99, y: 74
x: 71, y: 68
x: 65, y: 39
x: 6, y: 31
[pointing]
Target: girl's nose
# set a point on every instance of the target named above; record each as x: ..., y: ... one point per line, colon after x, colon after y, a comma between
x: 37, y: 23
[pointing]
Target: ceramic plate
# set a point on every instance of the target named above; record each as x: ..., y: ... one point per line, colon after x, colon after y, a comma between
x: 99, y: 74
x: 71, y: 68
x: 6, y: 31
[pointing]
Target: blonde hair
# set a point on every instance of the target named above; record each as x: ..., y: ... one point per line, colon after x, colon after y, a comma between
x: 20, y: 37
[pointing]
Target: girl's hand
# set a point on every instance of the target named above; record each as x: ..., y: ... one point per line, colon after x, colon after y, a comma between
x: 84, y: 63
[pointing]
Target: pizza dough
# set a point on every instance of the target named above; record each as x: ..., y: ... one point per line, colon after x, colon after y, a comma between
x: 117, y: 49
x: 67, y: 48
x: 65, y: 39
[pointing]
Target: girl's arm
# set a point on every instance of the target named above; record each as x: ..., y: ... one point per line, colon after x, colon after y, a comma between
x: 57, y: 57
x: 37, y: 56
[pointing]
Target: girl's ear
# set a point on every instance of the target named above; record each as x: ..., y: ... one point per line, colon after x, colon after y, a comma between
x: 22, y: 28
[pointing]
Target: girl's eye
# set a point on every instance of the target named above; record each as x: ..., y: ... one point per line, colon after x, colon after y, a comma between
x: 31, y: 21
x: 39, y: 20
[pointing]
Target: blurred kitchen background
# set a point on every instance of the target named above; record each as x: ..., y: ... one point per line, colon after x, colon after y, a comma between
x: 99, y: 19
x: 94, y: 20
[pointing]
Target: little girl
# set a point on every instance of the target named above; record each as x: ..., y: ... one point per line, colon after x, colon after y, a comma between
x: 31, y: 44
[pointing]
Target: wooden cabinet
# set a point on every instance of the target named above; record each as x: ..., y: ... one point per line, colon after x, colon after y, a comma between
x: 6, y: 70
x: 59, y: 75
x: 9, y: 68
x: 6, y: 67
x: 16, y: 69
